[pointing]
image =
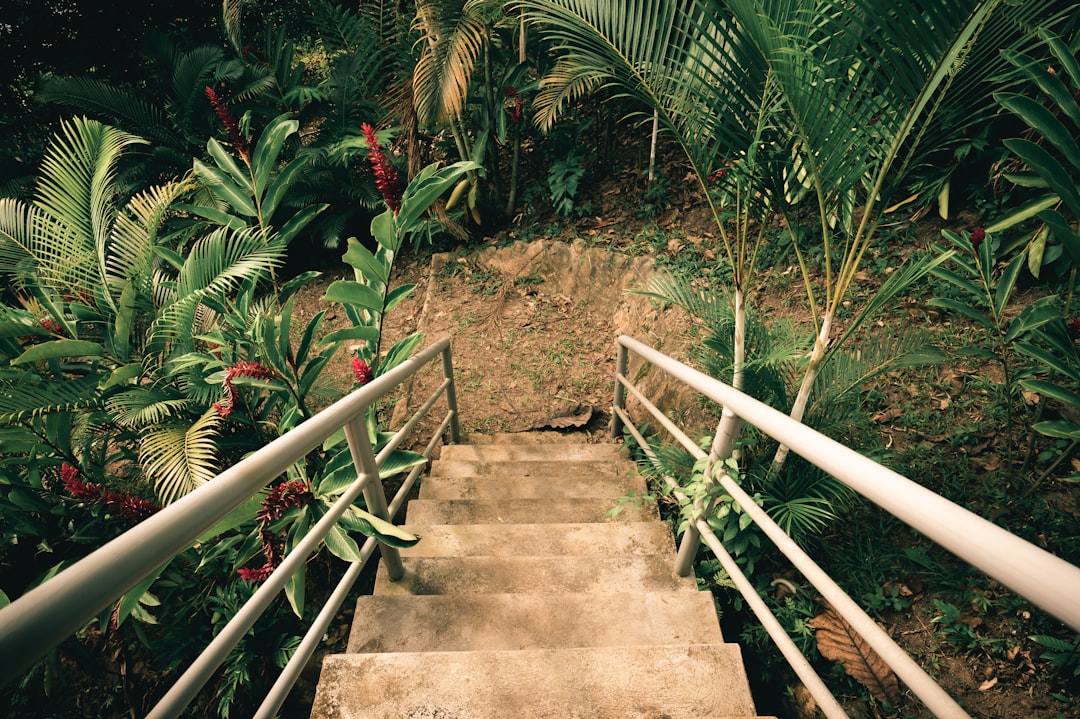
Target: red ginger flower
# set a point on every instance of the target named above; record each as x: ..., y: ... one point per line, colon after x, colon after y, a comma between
x: 231, y: 125
x: 386, y: 177
x: 516, y: 111
x: 51, y: 326
x: 132, y: 509
x: 362, y: 371
x: 977, y: 237
x: 281, y: 499
x: 240, y: 369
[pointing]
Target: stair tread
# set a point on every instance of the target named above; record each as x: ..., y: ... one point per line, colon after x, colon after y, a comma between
x: 530, y: 487
x: 563, y: 539
x: 636, y: 682
x: 443, y: 622
x: 526, y: 511
x: 542, y: 575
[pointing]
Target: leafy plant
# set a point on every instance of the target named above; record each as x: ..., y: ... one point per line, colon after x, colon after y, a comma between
x: 1051, y: 157
x: 563, y: 179
x: 1062, y: 655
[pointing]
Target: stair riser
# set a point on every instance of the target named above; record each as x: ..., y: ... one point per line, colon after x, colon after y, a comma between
x: 595, y: 683
x: 422, y: 512
x: 452, y: 468
x: 537, y: 575
x: 541, y: 540
x: 539, y: 621
x: 488, y: 487
x: 529, y: 453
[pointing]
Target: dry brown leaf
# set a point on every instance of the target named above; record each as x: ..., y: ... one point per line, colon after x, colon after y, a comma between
x: 838, y: 642
x: 988, y: 684
x: 573, y: 417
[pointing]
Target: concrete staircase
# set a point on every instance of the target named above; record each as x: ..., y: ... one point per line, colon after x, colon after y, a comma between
x: 523, y: 600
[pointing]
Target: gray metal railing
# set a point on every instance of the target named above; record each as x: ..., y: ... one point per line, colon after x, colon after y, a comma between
x: 50, y: 613
x: 1046, y: 580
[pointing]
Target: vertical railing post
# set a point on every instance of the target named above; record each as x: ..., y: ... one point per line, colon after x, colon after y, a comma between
x: 367, y: 468
x: 723, y: 444
x: 451, y: 395
x: 621, y: 363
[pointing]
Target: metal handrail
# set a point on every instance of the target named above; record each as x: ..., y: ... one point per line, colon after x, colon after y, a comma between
x: 1044, y: 579
x: 46, y: 615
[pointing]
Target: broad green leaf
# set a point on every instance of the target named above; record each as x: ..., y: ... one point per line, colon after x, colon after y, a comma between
x: 1034, y: 315
x: 420, y: 194
x: 1051, y: 390
x: 1049, y: 359
x: 227, y: 163
x: 295, y: 224
x: 1042, y: 121
x: 1025, y: 212
x: 384, y: 229
x: 294, y: 591
x: 225, y: 188
x: 123, y: 374
x: 1042, y: 162
x: 215, y: 215
x: 131, y: 598
x: 1025, y: 179
x: 361, y: 259
x: 1067, y: 57
x: 281, y: 185
x: 293, y: 286
x: 396, y: 295
x: 1007, y: 283
x: 21, y: 329
x: 962, y: 282
x: 400, y: 461
x: 264, y: 158
x: 360, y: 332
x: 400, y: 352
x: 1061, y: 429
x: 961, y: 309
x: 59, y: 349
x: 1050, y: 84
x: 1036, y: 249
x: 341, y: 545
x: 350, y: 292
x: 1063, y: 232
x: 387, y: 533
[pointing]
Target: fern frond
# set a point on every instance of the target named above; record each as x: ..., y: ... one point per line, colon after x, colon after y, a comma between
x: 178, y: 459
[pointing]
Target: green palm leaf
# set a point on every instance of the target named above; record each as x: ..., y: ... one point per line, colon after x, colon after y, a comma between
x: 452, y: 40
x: 177, y: 459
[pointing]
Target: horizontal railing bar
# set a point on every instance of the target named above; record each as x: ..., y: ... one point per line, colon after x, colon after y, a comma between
x: 314, y: 636
x: 907, y: 669
x: 795, y: 658
x: 825, y: 699
x: 1043, y: 578
x: 662, y: 418
x: 184, y: 690
x: 407, y: 428
x: 53, y: 611
x: 287, y: 679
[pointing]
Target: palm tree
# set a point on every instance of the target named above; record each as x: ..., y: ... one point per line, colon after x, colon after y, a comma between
x: 793, y: 101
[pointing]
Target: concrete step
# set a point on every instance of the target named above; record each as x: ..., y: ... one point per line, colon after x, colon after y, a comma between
x: 422, y: 512
x: 456, y: 468
x: 637, y: 682
x: 465, y: 622
x: 570, y: 485
x: 532, y: 452
x: 535, y: 437
x: 536, y: 575
x: 541, y: 540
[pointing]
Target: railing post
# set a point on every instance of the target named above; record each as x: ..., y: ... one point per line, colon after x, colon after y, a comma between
x: 621, y: 363
x: 723, y: 444
x: 451, y: 395
x: 366, y: 468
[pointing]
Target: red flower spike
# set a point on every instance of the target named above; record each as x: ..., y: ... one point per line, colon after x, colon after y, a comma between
x: 977, y: 237
x: 386, y: 177
x: 362, y: 371
x: 239, y: 369
x: 130, y: 508
x: 515, y: 112
x: 281, y: 499
x: 232, y: 127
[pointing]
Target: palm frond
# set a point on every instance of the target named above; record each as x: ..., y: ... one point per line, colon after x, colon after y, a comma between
x: 178, y: 459
x: 116, y: 105
x: 30, y: 397
x: 451, y: 41
x: 130, y: 250
x: 144, y: 406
